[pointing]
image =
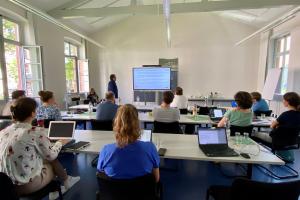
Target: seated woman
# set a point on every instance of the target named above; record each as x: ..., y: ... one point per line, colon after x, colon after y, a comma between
x: 128, y: 157
x: 48, y: 109
x: 259, y: 104
x: 15, y: 95
x: 179, y: 100
x: 289, y: 119
x: 93, y: 97
x: 26, y: 154
x: 165, y: 113
x: 242, y: 114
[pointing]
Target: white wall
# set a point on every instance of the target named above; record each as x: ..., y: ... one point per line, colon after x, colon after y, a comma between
x: 204, y: 44
x: 293, y: 28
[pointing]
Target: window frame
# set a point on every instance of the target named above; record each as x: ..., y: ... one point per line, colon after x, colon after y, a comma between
x: 2, y: 55
x: 76, y: 72
x: 274, y: 55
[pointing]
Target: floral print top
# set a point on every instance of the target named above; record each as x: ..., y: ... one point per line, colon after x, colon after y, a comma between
x: 23, y: 149
x: 48, y: 112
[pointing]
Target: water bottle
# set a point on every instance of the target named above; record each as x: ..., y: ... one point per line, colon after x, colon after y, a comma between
x: 138, y: 99
x: 90, y: 107
x: 237, y: 138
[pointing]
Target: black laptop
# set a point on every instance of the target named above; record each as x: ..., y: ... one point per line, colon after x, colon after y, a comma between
x: 213, y: 142
x: 216, y: 114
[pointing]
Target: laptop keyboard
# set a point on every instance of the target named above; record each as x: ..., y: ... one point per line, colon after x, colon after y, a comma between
x: 215, y: 151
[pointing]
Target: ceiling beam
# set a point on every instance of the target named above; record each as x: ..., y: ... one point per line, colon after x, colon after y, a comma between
x: 72, y: 4
x: 204, y: 6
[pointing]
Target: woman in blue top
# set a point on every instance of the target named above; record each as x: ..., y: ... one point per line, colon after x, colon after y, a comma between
x: 48, y: 109
x: 259, y: 104
x: 128, y: 158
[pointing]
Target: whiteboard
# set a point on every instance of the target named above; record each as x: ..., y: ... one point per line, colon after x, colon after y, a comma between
x: 271, y: 83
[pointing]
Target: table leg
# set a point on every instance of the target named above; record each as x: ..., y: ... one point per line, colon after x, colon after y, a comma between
x: 249, y: 170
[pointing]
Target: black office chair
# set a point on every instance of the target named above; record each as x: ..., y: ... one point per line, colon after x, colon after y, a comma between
x: 144, y: 188
x: 240, y: 129
x: 103, y: 125
x: 86, y: 101
x: 284, y: 139
x: 100, y: 125
x: 5, y: 123
x: 245, y: 189
x: 53, y: 186
x: 8, y: 191
x: 47, y: 122
x: 204, y: 110
x: 76, y: 100
x: 5, y: 117
x: 164, y: 127
x: 183, y: 111
x: 7, y: 188
x: 267, y: 113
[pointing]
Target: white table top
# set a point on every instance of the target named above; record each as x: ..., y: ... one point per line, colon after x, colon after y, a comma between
x: 144, y: 117
x: 140, y: 106
x: 180, y: 147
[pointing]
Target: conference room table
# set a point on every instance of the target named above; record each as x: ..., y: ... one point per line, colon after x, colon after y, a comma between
x: 184, y: 147
x: 147, y: 118
x: 140, y: 107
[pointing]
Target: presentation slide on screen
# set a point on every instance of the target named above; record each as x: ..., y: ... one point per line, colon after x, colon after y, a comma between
x: 151, y: 78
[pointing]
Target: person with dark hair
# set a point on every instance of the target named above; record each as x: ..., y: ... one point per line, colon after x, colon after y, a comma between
x: 17, y: 94
x: 259, y: 104
x: 241, y: 115
x: 108, y: 109
x: 179, y: 100
x: 165, y: 113
x: 48, y: 109
x: 112, y: 86
x: 93, y: 97
x: 289, y: 119
x: 26, y: 154
x: 128, y: 157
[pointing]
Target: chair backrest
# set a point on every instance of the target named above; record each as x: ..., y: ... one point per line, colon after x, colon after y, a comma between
x: 47, y: 122
x: 86, y: 101
x: 203, y: 110
x: 244, y: 189
x: 183, y: 111
x: 267, y: 113
x: 285, y: 138
x: 5, y: 123
x: 102, y: 125
x: 5, y: 117
x: 164, y: 127
x: 7, y: 188
x: 143, y: 187
x: 241, y: 130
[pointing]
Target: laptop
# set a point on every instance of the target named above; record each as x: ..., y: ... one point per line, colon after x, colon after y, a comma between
x: 216, y: 114
x: 61, y: 130
x: 146, y: 136
x: 213, y: 142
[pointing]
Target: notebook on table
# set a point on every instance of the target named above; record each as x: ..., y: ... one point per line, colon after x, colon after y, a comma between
x: 213, y: 142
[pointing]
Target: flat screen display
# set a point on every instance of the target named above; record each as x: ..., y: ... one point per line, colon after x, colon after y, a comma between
x: 152, y: 78
x: 212, y: 136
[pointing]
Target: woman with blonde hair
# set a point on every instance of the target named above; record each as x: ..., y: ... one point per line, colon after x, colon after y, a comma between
x: 128, y: 157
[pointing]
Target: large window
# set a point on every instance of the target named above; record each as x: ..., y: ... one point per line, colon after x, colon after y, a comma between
x: 77, y: 72
x: 281, y: 61
x: 18, y: 70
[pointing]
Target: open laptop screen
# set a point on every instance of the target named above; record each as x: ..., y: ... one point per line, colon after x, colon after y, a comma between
x: 146, y: 136
x: 218, y: 113
x: 212, y: 136
x: 61, y: 130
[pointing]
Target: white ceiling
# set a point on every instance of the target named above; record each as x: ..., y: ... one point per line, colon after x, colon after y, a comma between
x: 254, y: 17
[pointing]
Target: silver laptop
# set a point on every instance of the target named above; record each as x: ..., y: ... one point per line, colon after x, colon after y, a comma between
x: 61, y: 130
x: 146, y: 135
